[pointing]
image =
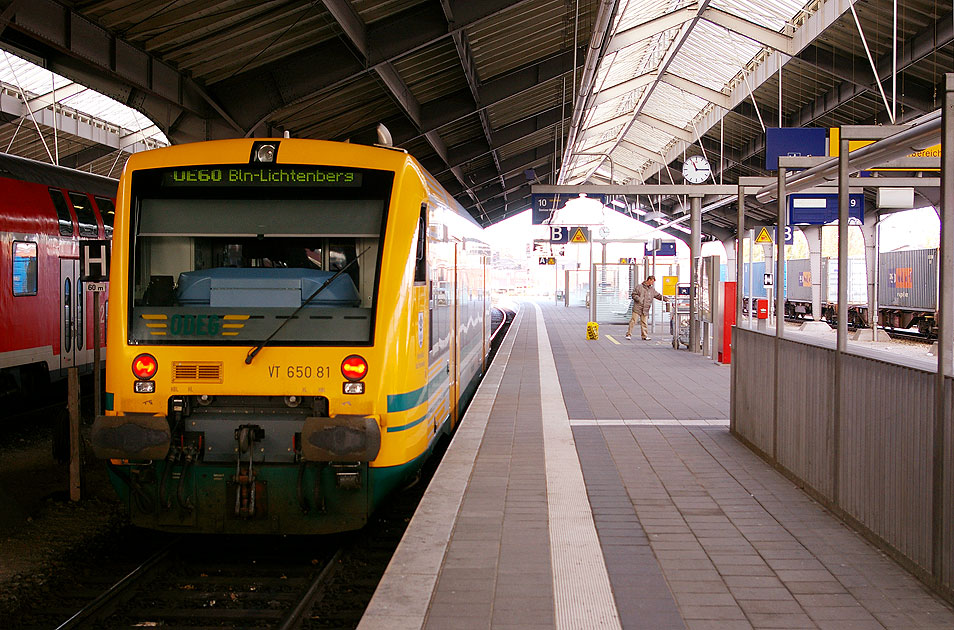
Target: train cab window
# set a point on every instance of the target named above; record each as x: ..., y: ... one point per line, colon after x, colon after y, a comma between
x: 62, y: 212
x: 232, y: 264
x: 24, y: 268
x: 107, y: 210
x: 85, y: 215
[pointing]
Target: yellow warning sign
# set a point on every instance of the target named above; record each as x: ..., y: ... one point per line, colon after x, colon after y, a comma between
x: 578, y: 236
x: 764, y: 237
x: 669, y: 285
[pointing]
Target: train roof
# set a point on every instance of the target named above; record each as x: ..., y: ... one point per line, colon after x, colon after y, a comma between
x: 25, y: 169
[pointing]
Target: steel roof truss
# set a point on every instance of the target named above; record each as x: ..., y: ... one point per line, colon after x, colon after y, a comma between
x: 653, y: 27
x: 755, y: 32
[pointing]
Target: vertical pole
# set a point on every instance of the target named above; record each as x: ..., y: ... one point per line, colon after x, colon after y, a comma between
x: 842, y: 340
x: 779, y: 283
x: 592, y: 285
x: 739, y: 231
x: 73, y: 405
x: 779, y: 286
x: 751, y: 287
x: 695, y: 251
x: 97, y: 386
x: 945, y: 332
x: 652, y: 313
x: 843, y: 201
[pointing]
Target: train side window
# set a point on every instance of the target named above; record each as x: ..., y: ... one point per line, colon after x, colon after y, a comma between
x: 85, y: 215
x: 24, y: 268
x: 62, y: 212
x: 420, y: 267
x: 107, y: 210
x: 67, y: 315
x: 80, y: 307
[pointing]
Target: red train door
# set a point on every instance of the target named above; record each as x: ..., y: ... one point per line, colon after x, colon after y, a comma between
x: 70, y: 332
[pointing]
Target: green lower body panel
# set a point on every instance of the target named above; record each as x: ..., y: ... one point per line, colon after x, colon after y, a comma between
x: 315, y: 498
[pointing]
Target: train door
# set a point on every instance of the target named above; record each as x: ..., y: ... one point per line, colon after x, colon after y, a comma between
x: 69, y: 324
x: 455, y: 337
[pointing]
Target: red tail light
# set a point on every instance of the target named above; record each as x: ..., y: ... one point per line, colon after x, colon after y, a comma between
x: 145, y: 366
x: 354, y: 368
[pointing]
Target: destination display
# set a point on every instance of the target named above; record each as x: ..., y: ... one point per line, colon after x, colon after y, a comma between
x: 258, y: 177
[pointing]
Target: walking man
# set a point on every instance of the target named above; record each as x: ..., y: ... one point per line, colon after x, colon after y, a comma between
x: 642, y: 301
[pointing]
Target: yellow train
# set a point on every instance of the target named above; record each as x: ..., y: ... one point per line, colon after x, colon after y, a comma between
x: 293, y: 324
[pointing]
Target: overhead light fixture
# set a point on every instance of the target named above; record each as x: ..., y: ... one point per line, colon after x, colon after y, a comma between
x: 655, y: 215
x: 619, y: 203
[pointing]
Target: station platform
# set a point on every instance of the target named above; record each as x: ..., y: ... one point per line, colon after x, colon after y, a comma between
x: 595, y: 484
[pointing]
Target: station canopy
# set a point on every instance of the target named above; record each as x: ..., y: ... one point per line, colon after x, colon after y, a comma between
x: 492, y: 97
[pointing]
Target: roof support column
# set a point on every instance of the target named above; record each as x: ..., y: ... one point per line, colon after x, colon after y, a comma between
x: 740, y: 239
x: 945, y: 332
x: 695, y: 270
x: 841, y: 343
x: 779, y: 282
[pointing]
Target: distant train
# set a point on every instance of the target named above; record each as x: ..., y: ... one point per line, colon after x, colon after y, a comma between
x: 46, y: 323
x: 907, y: 290
x: 293, y: 326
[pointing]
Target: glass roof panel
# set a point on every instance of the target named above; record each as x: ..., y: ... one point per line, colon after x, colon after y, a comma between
x: 698, y: 50
x: 36, y: 81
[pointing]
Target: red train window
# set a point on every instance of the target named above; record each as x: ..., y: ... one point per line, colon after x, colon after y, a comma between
x: 24, y: 268
x: 84, y: 212
x: 62, y: 212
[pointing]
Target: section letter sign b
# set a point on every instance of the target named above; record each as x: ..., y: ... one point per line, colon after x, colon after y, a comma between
x: 94, y: 261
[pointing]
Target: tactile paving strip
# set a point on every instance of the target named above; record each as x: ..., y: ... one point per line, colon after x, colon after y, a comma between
x: 582, y: 594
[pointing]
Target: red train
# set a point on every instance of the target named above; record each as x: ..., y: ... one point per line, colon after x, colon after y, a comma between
x: 46, y: 319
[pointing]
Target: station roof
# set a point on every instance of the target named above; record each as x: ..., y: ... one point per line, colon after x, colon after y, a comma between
x: 497, y: 95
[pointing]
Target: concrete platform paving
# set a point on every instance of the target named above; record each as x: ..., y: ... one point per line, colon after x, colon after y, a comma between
x: 594, y: 484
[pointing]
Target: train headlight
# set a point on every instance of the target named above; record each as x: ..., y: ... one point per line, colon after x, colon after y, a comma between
x: 264, y: 152
x: 144, y: 387
x: 144, y: 367
x: 353, y: 387
x: 354, y: 368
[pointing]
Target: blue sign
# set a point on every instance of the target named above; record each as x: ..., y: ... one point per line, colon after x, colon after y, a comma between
x: 666, y: 248
x: 821, y: 209
x: 794, y: 141
x: 789, y: 234
x: 543, y: 205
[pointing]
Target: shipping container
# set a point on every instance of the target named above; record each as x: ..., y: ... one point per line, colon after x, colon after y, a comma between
x: 857, y: 281
x: 908, y: 279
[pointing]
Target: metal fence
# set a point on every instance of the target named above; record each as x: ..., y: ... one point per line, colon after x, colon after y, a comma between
x: 865, y: 449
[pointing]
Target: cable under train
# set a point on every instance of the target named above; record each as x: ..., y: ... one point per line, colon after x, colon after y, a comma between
x: 293, y: 326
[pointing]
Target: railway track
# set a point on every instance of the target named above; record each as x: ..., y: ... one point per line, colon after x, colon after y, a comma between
x: 198, y: 583
x: 909, y: 336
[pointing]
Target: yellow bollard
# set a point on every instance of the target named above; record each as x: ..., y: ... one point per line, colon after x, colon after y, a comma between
x: 592, y: 330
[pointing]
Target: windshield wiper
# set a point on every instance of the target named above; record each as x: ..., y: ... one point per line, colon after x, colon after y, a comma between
x: 254, y: 351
